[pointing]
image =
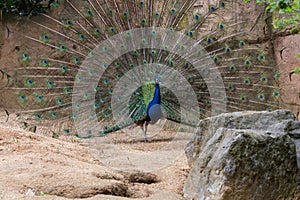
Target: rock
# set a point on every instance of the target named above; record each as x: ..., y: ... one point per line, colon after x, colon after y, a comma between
x: 277, y: 122
x: 143, y: 177
x: 244, y: 155
x: 71, y: 191
x: 30, y: 192
x: 285, y: 50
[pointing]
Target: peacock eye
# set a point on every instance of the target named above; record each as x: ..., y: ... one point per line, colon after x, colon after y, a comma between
x: 90, y: 13
x: 173, y: 10
x: 105, y: 66
x: 247, y: 62
x: 261, y: 97
x: 241, y: 43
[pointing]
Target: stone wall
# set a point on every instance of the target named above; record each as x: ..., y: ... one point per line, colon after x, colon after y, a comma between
x: 282, y: 49
x: 285, y: 49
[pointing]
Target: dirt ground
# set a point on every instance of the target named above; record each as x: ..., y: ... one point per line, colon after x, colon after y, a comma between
x: 35, y: 166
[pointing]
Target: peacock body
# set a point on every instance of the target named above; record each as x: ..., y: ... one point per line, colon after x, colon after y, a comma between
x: 100, y: 73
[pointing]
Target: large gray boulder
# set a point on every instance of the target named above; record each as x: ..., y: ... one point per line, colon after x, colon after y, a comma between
x: 244, y: 155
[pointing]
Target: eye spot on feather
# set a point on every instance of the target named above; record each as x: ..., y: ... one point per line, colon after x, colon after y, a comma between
x: 212, y: 8
x: 246, y: 81
x: 173, y: 11
x: 90, y: 13
x: 22, y: 98
x: 157, y: 15
x: 38, y: 117
x: 276, y: 93
x: 54, y: 114
x: 261, y: 97
x: 142, y: 3
x: 59, y: 101
x: 243, y: 98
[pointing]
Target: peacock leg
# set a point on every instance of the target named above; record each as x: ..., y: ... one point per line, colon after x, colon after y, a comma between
x: 145, y: 125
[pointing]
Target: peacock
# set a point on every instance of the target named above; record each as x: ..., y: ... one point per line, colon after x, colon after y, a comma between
x: 111, y: 64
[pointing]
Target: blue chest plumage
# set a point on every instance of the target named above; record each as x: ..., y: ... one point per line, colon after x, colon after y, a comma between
x: 154, y: 112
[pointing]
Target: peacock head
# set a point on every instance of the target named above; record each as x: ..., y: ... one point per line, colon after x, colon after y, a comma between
x: 157, y: 80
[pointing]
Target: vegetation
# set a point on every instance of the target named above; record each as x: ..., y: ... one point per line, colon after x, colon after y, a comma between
x: 27, y: 7
x: 286, y: 16
x: 286, y: 13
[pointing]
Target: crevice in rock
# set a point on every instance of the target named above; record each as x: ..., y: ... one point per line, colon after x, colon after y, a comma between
x: 141, y: 177
x: 71, y: 191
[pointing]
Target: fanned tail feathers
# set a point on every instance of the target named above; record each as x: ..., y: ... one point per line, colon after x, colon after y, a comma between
x: 103, y: 57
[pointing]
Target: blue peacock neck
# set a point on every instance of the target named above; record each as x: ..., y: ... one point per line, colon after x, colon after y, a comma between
x: 156, y: 98
x: 154, y: 110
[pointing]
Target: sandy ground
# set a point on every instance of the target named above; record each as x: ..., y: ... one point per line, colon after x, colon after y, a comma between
x: 35, y: 166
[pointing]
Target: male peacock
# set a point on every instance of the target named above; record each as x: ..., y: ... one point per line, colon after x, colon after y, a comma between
x: 153, y: 113
x: 113, y: 63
